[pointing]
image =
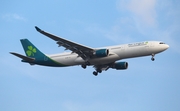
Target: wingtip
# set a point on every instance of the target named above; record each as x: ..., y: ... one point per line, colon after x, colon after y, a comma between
x: 11, y: 52
x: 38, y: 29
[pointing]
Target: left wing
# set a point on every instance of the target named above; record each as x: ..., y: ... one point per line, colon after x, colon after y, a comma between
x: 83, y: 51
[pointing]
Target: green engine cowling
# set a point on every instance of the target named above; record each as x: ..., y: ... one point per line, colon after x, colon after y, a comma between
x: 101, y: 53
x: 120, y: 65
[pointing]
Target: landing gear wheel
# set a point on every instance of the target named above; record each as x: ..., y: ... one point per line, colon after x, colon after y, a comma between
x: 153, y: 57
x: 83, y: 66
x: 95, y: 73
x: 99, y: 70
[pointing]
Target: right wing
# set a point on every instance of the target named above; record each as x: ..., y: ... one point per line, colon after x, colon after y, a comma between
x: 83, y: 51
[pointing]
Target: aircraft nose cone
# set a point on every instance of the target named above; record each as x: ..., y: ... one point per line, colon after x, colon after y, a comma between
x: 167, y: 46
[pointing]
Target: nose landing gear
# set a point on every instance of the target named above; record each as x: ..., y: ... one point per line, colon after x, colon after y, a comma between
x: 153, y: 57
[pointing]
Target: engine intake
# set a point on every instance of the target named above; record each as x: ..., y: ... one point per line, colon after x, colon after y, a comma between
x: 120, y: 65
x: 101, y: 53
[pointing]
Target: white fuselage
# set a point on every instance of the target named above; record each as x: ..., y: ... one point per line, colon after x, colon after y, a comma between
x: 118, y: 52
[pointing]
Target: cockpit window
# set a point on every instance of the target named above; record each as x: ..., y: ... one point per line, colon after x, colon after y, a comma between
x: 161, y: 43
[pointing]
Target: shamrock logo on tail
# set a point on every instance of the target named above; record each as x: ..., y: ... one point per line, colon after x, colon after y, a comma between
x: 31, y: 51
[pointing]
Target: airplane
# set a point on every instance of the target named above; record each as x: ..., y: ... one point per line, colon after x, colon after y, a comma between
x: 100, y: 58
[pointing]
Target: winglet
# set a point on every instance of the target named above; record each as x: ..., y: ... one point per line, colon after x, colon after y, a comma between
x: 38, y: 29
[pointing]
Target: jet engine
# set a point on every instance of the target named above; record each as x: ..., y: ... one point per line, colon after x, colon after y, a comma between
x: 101, y: 53
x: 120, y: 65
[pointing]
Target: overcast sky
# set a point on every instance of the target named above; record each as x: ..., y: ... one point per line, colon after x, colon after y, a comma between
x: 144, y: 86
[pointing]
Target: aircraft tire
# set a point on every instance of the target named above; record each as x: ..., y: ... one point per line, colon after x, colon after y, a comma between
x: 95, y: 73
x: 152, y: 59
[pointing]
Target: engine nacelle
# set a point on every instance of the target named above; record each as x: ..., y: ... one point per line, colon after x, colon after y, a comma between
x: 101, y: 53
x: 120, y: 65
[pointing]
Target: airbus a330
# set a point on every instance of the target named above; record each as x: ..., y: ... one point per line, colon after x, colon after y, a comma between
x: 100, y: 58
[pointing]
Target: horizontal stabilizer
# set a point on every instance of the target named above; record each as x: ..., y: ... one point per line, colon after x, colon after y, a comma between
x: 23, y: 57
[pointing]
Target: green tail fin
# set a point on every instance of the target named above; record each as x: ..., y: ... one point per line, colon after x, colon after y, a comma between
x: 31, y: 50
x: 35, y: 56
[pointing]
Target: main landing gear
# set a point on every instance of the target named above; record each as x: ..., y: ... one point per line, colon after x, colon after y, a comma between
x: 153, y: 57
x: 83, y: 66
x: 97, y: 71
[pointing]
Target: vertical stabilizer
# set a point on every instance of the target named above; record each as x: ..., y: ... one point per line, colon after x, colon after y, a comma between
x: 35, y: 56
x: 31, y: 50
